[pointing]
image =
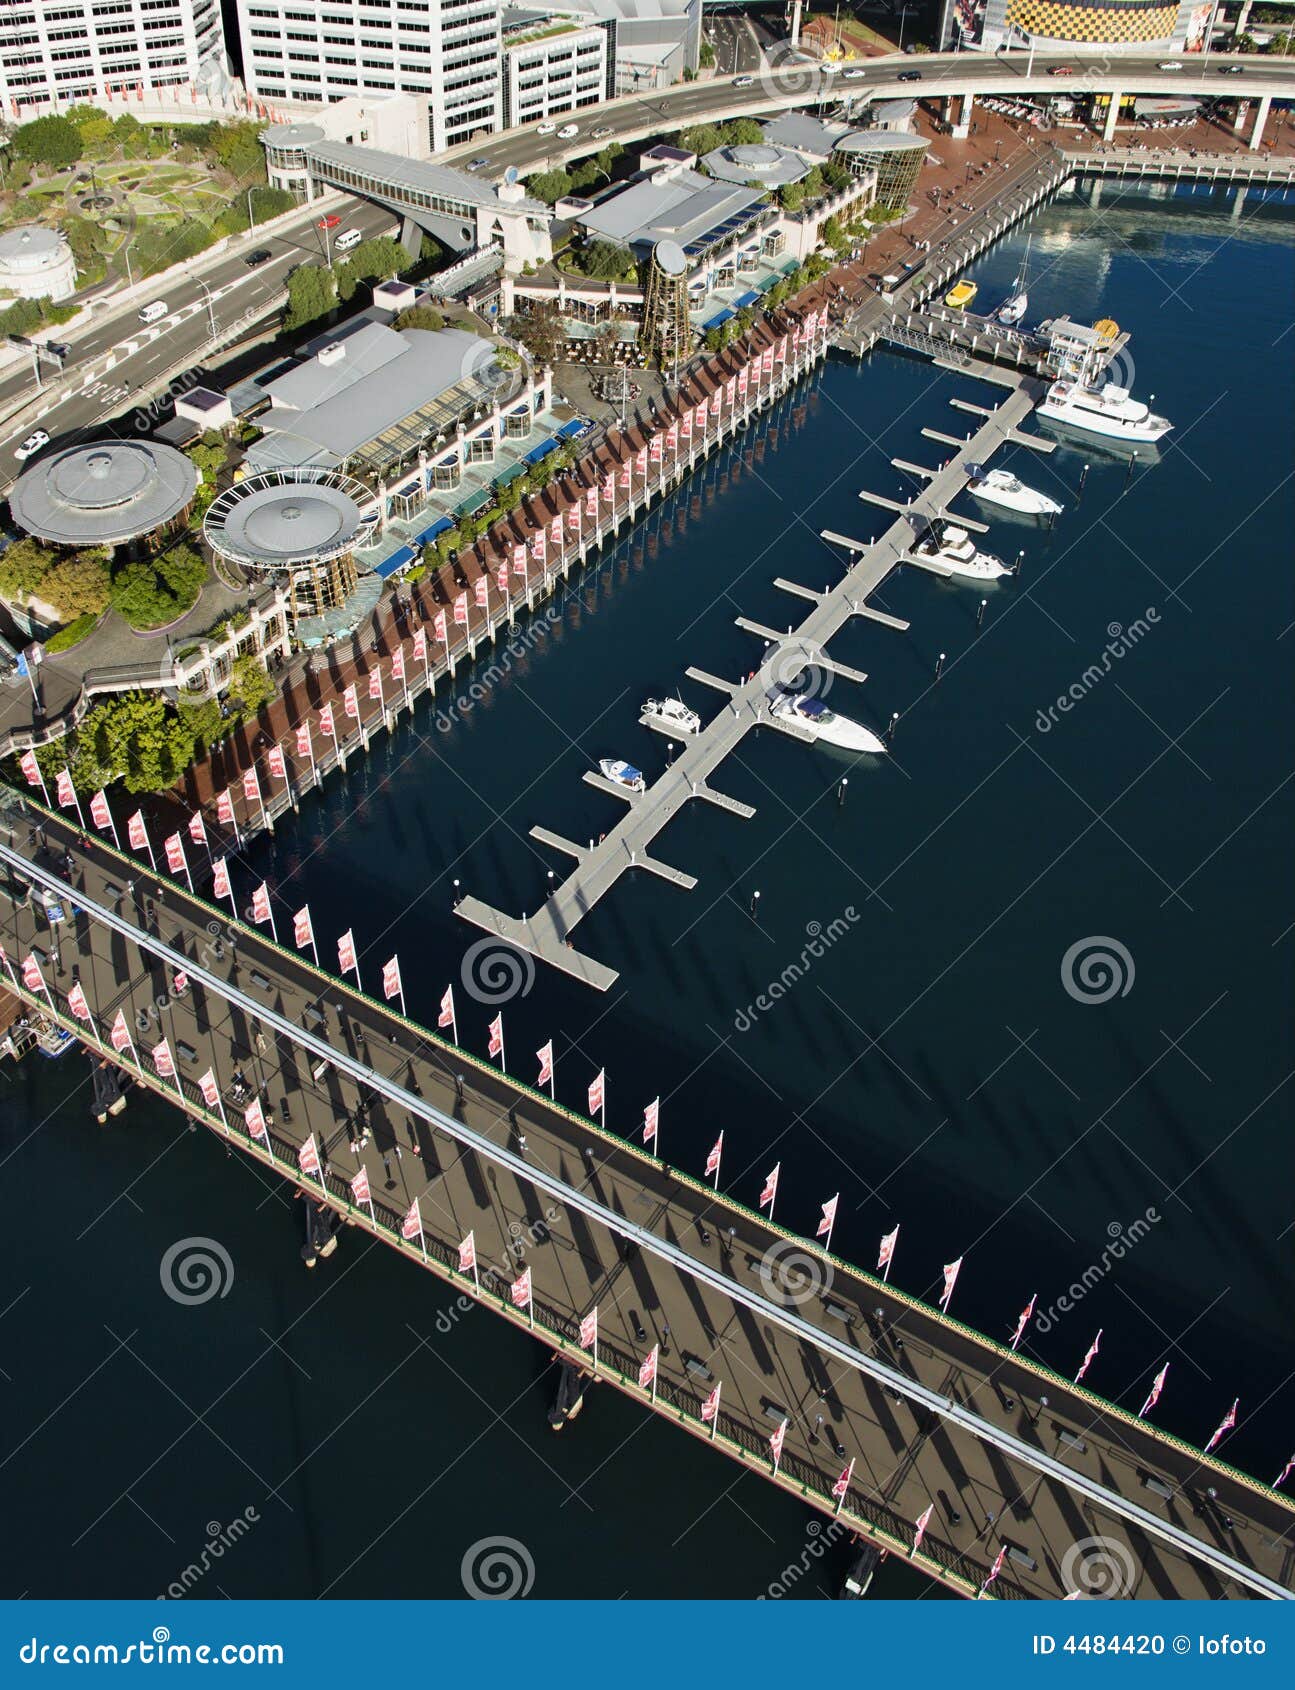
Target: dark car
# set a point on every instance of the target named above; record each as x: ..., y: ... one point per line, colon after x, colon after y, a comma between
x: 1231, y: 70
x: 909, y: 76
x: 262, y: 255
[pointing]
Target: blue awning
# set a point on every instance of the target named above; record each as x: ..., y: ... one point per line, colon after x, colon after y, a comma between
x: 569, y: 430
x: 438, y: 527
x: 540, y: 451
x: 719, y: 319
x: 397, y: 561
x: 745, y: 299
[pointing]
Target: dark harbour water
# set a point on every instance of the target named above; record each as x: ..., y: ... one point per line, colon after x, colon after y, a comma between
x: 929, y: 1063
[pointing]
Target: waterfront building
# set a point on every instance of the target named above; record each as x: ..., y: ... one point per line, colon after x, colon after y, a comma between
x: 36, y: 263
x: 893, y: 160
x: 302, y: 526
x: 63, y: 51
x: 105, y: 493
x: 1131, y: 26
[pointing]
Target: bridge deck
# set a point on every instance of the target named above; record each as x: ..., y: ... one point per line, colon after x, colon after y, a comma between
x: 693, y: 1279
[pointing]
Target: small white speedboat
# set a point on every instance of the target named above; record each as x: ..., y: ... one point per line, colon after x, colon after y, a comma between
x: 955, y: 551
x: 812, y: 715
x: 624, y: 774
x: 1001, y: 487
x: 674, y: 712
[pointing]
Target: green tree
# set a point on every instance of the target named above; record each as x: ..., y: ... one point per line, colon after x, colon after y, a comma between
x: 420, y: 317
x: 791, y: 196
x: 78, y: 585
x: 311, y: 295
x: 549, y: 186
x: 48, y: 140
x: 702, y: 138
x: 541, y: 332
x: 706, y: 56
x: 182, y: 570
x: 742, y: 132
x: 23, y: 569
x: 249, y: 685
x: 236, y: 148
x: 149, y: 594
x: 604, y: 261
x: 134, y: 738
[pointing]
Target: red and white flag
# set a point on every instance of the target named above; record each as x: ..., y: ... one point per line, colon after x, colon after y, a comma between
x: 360, y: 1188
x: 32, y: 977
x: 710, y: 1408
x: 829, y: 1217
x: 162, y: 1060
x: 555, y: 531
x: 351, y: 700
x: 842, y: 1485
x: 251, y: 787
x: 544, y: 1056
x: 180, y: 984
x: 304, y: 748
x: 656, y: 448
x: 220, y: 878
x: 951, y: 1271
x: 209, y: 1089
x: 651, y: 1118
x: 1284, y: 1474
x: 412, y: 1225
x: 77, y: 1004
x: 609, y: 492
x: 275, y: 762
x: 64, y: 790
x: 308, y: 1156
x: 770, y: 1187
x: 419, y: 647
x: 391, y: 987
x: 303, y: 933
x: 174, y: 848
x: 537, y: 546
x: 598, y: 1092
x: 716, y: 1151
x: 496, y: 1031
x: 100, y: 814
x: 120, y: 1034
x: 1157, y: 1385
x: 923, y: 1521
x: 501, y: 580
x: 627, y: 473
x: 519, y: 560
x: 573, y: 517
x: 640, y: 463
x: 776, y: 1441
x: 461, y: 610
x: 446, y: 1017
x: 261, y: 904
x: 886, y: 1254
x: 1228, y: 1421
x: 520, y: 1289
x: 1027, y: 1315
x: 346, y: 952
x: 136, y: 833
x: 481, y: 592
x: 589, y: 1331
x: 647, y: 1372
x: 468, y: 1253
x: 197, y: 828
x: 440, y: 627
x: 1088, y: 1359
x: 225, y: 808
x: 327, y: 725
x: 31, y: 768
x: 398, y: 664
x: 996, y: 1568
x: 375, y: 686
x: 254, y: 1120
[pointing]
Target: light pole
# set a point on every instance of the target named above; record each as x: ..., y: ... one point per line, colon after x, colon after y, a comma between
x: 251, y: 214
x: 211, y: 310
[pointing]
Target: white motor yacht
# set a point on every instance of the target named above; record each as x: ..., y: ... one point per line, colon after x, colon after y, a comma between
x: 956, y: 551
x: 674, y: 712
x: 816, y: 719
x: 1108, y: 410
x: 624, y: 774
x: 1001, y: 487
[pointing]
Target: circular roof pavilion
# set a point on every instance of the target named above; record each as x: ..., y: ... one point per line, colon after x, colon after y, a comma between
x: 771, y: 166
x: 103, y: 493
x: 280, y: 520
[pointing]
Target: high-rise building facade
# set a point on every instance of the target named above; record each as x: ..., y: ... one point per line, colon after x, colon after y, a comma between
x: 92, y: 50
x: 324, y: 50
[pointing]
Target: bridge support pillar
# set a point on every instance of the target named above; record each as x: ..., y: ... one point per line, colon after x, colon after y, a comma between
x: 1243, y: 18
x: 961, y: 125
x: 411, y: 237
x: 1261, y: 118
x: 1112, y: 116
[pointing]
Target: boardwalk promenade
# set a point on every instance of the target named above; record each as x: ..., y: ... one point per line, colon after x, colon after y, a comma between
x: 1010, y: 1456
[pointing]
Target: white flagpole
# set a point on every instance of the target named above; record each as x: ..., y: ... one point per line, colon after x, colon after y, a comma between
x: 714, y: 1422
x: 718, y: 1160
x: 656, y: 1368
x: 827, y: 1247
x: 476, y: 1271
x: 885, y: 1272
x: 530, y: 1295
x: 594, y: 1351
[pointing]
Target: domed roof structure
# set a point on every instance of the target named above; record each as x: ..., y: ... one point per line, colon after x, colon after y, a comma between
x: 103, y: 493
x: 278, y: 520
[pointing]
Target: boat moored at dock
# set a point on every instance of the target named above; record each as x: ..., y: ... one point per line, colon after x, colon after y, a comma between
x: 623, y: 774
x: 954, y: 549
x: 814, y: 717
x: 674, y: 713
x: 1108, y: 410
x: 1001, y: 487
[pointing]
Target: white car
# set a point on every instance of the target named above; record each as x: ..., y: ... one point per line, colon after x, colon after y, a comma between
x: 743, y: 81
x: 568, y: 131
x: 32, y: 444
x: 1170, y: 64
x: 546, y: 128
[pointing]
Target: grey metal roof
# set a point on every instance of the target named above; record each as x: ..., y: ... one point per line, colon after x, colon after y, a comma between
x: 103, y: 493
x: 775, y: 167
x: 292, y: 135
x: 412, y: 175
x: 686, y: 207
x: 273, y: 523
x: 805, y: 134
x: 29, y: 242
x: 335, y: 364
x: 865, y: 142
x: 380, y: 414
x: 892, y: 111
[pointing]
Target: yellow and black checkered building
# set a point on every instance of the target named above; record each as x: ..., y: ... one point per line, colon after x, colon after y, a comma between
x: 1091, y: 23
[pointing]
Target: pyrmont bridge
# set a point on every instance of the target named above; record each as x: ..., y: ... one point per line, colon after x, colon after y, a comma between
x: 921, y: 1411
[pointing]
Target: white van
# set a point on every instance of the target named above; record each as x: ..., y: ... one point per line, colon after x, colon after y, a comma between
x: 347, y: 239
x: 151, y: 313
